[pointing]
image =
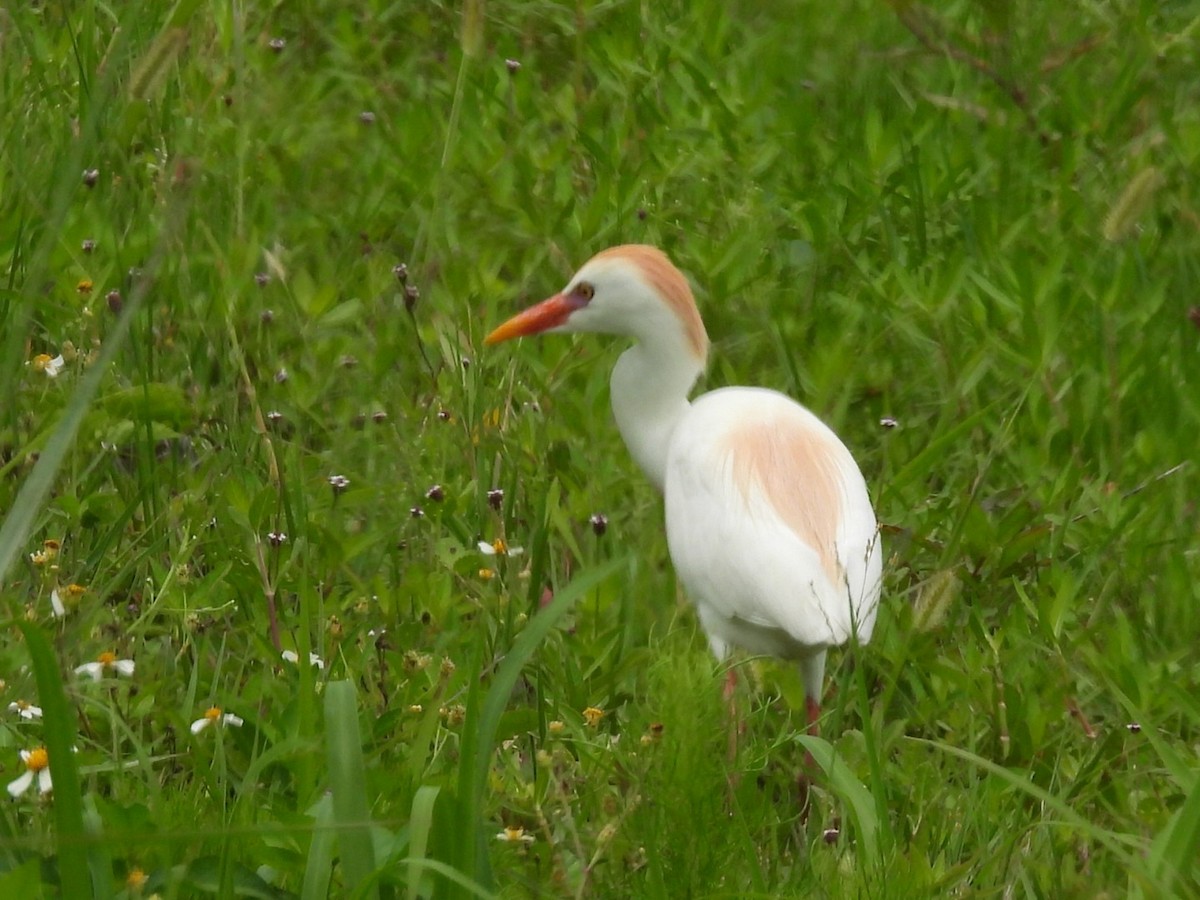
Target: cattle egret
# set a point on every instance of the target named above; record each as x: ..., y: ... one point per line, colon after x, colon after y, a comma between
x: 768, y: 520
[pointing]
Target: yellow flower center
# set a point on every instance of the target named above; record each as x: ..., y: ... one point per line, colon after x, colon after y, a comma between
x: 592, y: 716
x: 38, y: 759
x: 212, y: 713
x: 487, y: 574
x: 514, y: 834
x: 76, y: 590
x: 41, y: 361
x: 107, y: 658
x: 499, y: 547
x: 136, y: 879
x: 51, y: 546
x: 22, y: 705
x: 85, y: 286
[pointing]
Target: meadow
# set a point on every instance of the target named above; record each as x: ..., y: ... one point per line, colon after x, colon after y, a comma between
x: 307, y: 593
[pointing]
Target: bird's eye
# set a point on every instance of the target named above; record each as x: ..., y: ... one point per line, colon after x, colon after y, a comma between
x: 584, y: 291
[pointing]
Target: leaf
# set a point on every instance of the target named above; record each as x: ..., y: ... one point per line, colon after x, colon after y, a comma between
x: 348, y: 781
x: 850, y: 789
x: 318, y: 871
x: 58, y: 718
x: 479, y: 733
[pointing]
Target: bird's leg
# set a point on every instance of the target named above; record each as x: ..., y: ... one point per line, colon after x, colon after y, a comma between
x: 813, y: 671
x: 735, y: 722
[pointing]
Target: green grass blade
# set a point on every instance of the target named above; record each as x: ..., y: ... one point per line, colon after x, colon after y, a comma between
x: 1127, y: 848
x: 419, y: 825
x: 60, y: 731
x: 850, y: 789
x: 318, y: 869
x: 1175, y: 853
x: 482, y: 731
x: 348, y: 781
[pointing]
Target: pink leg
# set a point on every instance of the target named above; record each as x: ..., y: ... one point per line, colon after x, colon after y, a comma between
x: 812, y: 708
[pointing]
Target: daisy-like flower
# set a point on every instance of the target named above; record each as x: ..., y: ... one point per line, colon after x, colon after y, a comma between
x: 214, y: 716
x: 313, y: 660
x: 48, y: 552
x: 516, y: 835
x: 499, y: 548
x: 72, y: 592
x: 37, y: 768
x: 592, y: 715
x: 136, y: 880
x: 25, y: 710
x: 105, y: 661
x: 51, y: 365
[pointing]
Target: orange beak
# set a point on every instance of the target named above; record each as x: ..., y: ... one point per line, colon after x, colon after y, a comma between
x: 545, y: 315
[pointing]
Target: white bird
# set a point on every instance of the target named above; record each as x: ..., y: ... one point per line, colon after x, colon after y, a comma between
x: 769, y: 523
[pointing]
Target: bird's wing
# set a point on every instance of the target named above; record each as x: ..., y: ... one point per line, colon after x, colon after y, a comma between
x: 769, y: 522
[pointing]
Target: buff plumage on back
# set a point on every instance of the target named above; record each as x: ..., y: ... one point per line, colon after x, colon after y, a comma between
x: 794, y: 467
x: 660, y: 274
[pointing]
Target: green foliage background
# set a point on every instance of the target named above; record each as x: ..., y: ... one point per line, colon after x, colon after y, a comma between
x: 965, y: 233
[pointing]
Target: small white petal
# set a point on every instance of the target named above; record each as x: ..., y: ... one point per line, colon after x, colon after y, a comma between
x: 486, y: 549
x: 314, y: 660
x: 231, y: 719
x: 54, y: 366
x: 21, y: 785
x: 200, y: 724
x: 290, y: 656
x: 44, y: 782
x: 94, y: 669
x: 124, y: 667
x: 56, y: 604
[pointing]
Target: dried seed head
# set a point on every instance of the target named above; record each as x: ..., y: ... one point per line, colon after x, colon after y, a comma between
x: 90, y: 177
x: 888, y: 422
x: 267, y: 316
x: 1122, y: 219
x: 262, y: 279
x: 400, y: 270
x: 366, y: 117
x: 88, y: 245
x: 599, y: 523
x: 411, y: 295
x: 281, y: 376
x: 436, y: 494
x: 277, y: 44
x: 339, y: 483
x: 641, y: 214
x: 379, y: 417
x: 513, y: 66
x: 830, y: 835
x: 495, y: 498
x: 277, y: 538
x: 416, y: 512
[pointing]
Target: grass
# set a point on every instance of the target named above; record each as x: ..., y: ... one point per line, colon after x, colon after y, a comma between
x: 966, y: 234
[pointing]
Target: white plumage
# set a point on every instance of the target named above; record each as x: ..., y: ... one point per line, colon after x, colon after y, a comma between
x: 768, y: 519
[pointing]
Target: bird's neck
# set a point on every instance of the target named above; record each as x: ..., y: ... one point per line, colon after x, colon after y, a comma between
x: 650, y: 386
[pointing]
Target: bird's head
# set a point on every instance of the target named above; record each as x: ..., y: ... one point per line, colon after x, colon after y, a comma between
x: 631, y: 290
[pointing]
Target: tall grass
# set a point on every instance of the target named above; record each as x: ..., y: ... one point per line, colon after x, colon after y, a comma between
x: 266, y: 242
